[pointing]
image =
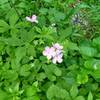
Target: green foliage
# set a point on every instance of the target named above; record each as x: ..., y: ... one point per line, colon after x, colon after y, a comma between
x: 25, y: 74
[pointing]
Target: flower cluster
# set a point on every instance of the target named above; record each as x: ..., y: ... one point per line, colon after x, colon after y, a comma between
x: 54, y: 53
x: 32, y: 19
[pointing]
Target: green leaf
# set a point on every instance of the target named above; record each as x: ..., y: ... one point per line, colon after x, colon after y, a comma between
x: 25, y: 70
x: 41, y: 76
x: 11, y: 75
x: 80, y: 98
x: 92, y: 64
x: 14, y: 41
x: 56, y: 71
x: 65, y: 32
x: 96, y: 41
x: 55, y: 91
x: 31, y: 50
x: 73, y: 46
x: 96, y: 74
x: 13, y: 18
x: 30, y: 91
x: 59, y: 16
x: 82, y: 78
x: 27, y: 36
x: 90, y: 97
x: 3, y: 26
x: 3, y: 95
x: 88, y: 51
x: 20, y: 52
x: 74, y: 91
x: 52, y: 70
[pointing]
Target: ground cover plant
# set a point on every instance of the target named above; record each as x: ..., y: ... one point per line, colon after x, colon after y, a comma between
x: 49, y: 50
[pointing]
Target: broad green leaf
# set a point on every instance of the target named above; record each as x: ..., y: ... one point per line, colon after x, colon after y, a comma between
x: 31, y: 50
x: 30, y: 91
x: 3, y: 26
x: 92, y: 64
x: 74, y: 91
x: 56, y: 71
x: 14, y: 42
x: 96, y: 41
x: 41, y: 76
x: 10, y: 75
x: 26, y: 36
x: 90, y: 96
x: 3, y: 95
x: 88, y: 51
x: 20, y: 52
x: 59, y: 16
x: 55, y: 91
x: 73, y: 46
x: 14, y: 32
x: 65, y: 32
x: 13, y: 19
x: 52, y: 70
x: 25, y: 70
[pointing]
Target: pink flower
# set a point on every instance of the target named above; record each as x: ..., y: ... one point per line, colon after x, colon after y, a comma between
x: 57, y: 46
x: 32, y: 19
x: 49, y: 52
x: 54, y: 53
x: 57, y: 58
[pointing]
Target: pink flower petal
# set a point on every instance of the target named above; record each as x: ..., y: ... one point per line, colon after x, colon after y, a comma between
x: 57, y: 46
x: 32, y: 19
x: 28, y: 19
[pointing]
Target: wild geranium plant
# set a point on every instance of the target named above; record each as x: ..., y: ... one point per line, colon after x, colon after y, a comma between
x: 54, y: 54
